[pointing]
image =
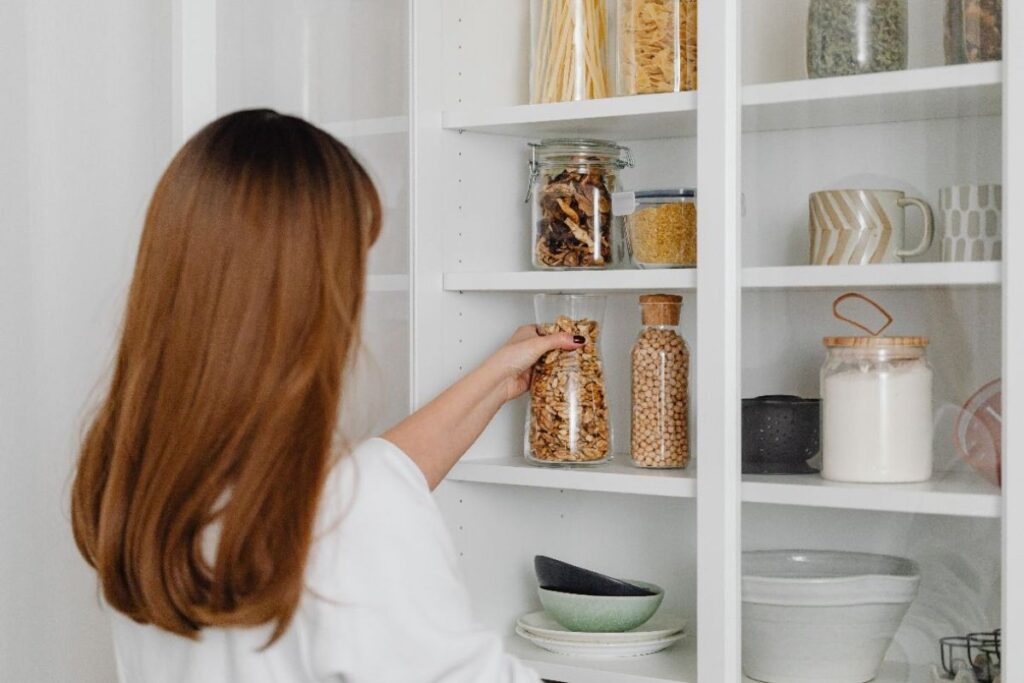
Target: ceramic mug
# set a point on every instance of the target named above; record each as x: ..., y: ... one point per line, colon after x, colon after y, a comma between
x: 863, y: 226
x: 972, y: 218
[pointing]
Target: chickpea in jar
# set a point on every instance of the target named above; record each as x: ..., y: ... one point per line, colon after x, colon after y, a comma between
x: 660, y: 388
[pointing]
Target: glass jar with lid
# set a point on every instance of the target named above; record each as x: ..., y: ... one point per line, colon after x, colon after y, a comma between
x: 570, y: 190
x: 659, y: 227
x: 973, y: 31
x: 660, y: 386
x: 846, y: 37
x: 569, y: 50
x: 568, y: 421
x: 876, y: 408
x: 657, y: 46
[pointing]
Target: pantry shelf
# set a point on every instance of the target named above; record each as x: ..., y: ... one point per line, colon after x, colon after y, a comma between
x: 678, y: 664
x: 957, y: 494
x: 575, y: 281
x: 892, y: 672
x: 911, y: 95
x: 361, y: 128
x: 618, y: 476
x: 987, y: 273
x: 636, y: 117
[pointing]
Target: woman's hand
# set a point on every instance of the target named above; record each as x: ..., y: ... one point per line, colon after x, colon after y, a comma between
x: 515, y: 360
x: 437, y: 435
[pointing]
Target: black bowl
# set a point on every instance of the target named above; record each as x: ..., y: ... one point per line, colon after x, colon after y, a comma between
x: 780, y: 433
x: 563, y: 577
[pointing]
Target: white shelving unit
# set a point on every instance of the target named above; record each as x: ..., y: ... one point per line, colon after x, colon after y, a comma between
x: 676, y: 665
x: 615, y: 477
x: 449, y: 155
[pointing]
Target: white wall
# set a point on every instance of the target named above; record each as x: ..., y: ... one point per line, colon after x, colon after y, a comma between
x: 86, y: 128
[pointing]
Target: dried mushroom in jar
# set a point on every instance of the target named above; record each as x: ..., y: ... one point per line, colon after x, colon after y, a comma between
x: 574, y: 228
x: 568, y: 419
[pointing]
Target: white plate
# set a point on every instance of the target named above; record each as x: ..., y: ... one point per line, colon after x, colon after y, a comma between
x: 601, y: 650
x: 543, y: 625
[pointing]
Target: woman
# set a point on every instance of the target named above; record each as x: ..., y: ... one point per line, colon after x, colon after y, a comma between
x: 235, y: 534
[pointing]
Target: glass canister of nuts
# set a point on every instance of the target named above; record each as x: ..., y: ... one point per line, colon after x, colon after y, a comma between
x: 659, y: 227
x: 661, y: 369
x: 571, y: 186
x: 568, y: 421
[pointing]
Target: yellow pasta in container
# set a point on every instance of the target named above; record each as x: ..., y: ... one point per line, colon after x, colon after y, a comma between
x: 659, y: 227
x: 657, y: 46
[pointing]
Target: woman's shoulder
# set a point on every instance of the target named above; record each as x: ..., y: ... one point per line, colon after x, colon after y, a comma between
x: 376, y: 484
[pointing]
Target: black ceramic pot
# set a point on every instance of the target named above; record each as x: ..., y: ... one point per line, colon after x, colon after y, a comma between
x: 780, y: 433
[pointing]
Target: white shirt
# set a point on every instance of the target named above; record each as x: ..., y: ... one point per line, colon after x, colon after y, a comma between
x: 391, y: 605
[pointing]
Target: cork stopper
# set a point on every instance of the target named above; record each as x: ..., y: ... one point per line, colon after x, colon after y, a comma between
x: 660, y: 309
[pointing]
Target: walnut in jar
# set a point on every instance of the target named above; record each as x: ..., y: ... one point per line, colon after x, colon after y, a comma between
x: 660, y: 390
x: 568, y: 420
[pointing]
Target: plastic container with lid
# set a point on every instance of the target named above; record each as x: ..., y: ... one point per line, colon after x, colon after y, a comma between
x: 570, y: 188
x: 876, y: 392
x: 568, y: 421
x: 846, y: 37
x: 659, y: 227
x: 661, y: 369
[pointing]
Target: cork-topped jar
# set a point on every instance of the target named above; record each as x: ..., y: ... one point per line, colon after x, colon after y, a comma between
x: 876, y: 405
x: 661, y: 368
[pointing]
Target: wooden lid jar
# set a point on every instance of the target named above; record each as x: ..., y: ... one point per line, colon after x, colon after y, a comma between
x: 660, y: 309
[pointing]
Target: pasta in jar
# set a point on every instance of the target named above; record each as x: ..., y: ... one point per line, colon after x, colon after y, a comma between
x: 657, y: 46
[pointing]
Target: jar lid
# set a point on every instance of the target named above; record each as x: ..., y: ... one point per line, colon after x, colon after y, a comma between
x: 875, y: 342
x: 672, y: 193
x: 660, y: 309
x: 580, y: 150
x: 625, y: 203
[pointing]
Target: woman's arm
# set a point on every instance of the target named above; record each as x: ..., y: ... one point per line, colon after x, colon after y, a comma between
x: 439, y: 433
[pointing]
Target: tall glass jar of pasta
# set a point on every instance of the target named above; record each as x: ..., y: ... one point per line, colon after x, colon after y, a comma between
x: 657, y: 46
x: 569, y: 55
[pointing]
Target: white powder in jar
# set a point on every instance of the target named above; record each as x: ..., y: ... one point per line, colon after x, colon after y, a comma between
x: 877, y: 423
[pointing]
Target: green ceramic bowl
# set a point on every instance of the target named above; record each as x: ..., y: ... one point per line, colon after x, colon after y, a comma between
x: 601, y: 613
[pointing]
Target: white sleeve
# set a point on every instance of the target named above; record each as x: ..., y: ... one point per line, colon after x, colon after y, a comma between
x: 392, y: 607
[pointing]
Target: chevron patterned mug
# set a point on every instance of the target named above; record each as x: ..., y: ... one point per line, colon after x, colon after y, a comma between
x: 863, y: 226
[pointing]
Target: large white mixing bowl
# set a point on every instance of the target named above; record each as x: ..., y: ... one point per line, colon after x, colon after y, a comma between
x: 812, y: 616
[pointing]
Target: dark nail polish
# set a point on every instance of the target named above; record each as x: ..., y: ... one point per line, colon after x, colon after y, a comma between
x: 578, y: 338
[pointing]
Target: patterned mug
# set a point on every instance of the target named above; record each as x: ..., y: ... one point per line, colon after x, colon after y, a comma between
x: 972, y: 222
x: 863, y: 226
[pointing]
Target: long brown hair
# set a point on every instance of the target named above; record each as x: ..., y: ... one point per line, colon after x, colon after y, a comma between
x: 242, y: 313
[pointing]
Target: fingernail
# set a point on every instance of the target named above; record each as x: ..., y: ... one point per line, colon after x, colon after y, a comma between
x: 578, y: 339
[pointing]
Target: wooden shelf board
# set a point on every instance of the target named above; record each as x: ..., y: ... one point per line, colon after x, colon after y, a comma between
x: 882, y: 275
x: 576, y: 280
x: 957, y: 494
x: 617, y: 476
x: 678, y: 664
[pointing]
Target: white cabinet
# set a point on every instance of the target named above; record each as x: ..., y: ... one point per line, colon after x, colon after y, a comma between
x: 432, y: 95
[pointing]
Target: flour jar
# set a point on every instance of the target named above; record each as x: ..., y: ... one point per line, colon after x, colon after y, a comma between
x: 876, y: 413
